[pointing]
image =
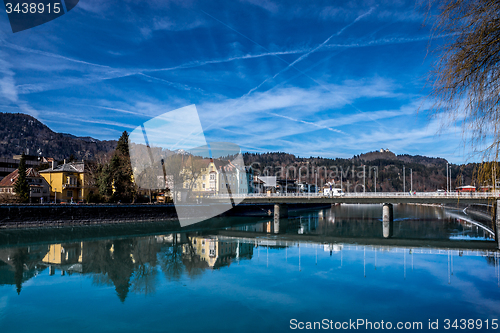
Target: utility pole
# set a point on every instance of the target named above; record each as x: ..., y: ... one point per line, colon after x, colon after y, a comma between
x: 447, y: 181
x: 364, y: 178
x: 494, y: 177
x: 286, y: 181
x: 404, y: 180
x: 450, y: 178
x: 411, y: 180
x: 316, y: 185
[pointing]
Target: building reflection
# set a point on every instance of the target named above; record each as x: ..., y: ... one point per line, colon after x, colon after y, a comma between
x: 137, y: 264
x: 212, y: 252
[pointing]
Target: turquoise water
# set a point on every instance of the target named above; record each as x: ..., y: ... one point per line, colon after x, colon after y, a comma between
x: 253, y: 278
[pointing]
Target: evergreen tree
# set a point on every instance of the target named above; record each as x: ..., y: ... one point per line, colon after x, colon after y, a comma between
x: 104, y: 180
x: 114, y: 179
x: 121, y: 170
x: 21, y: 187
x: 122, y: 145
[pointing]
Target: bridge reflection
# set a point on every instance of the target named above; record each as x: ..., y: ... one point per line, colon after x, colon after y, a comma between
x: 133, y: 263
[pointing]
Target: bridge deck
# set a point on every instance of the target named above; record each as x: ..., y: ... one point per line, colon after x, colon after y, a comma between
x: 363, y: 198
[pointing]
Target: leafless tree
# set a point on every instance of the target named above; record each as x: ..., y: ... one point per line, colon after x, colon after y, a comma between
x: 465, y: 79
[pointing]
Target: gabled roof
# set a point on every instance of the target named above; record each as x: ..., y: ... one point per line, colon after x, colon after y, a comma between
x: 68, y: 167
x: 11, y: 178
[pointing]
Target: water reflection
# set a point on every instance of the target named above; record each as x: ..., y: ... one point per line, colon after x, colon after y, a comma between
x: 410, y: 222
x: 141, y: 265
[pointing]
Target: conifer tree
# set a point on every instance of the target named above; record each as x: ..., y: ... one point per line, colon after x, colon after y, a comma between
x: 121, y: 170
x: 21, y: 186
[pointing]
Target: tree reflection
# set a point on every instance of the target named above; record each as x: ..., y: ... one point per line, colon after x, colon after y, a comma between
x: 145, y: 272
x: 111, y: 262
x: 170, y: 260
x: 19, y: 259
x: 122, y: 267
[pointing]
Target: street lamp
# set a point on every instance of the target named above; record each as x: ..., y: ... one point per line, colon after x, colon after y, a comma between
x: 316, y: 185
x: 447, y: 187
x: 286, y: 181
x: 341, y: 180
x: 404, y: 180
x: 411, y: 180
x: 364, y: 178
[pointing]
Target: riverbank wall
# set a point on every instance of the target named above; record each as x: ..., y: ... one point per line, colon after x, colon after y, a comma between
x: 54, y: 215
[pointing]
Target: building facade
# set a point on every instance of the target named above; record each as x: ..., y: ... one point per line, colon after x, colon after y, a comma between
x: 39, y: 187
x: 69, y: 182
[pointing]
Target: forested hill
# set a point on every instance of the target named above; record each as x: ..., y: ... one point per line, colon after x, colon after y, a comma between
x: 427, y: 173
x: 23, y: 133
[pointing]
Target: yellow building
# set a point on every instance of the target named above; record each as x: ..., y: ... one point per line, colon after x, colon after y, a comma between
x: 63, y: 254
x: 206, y: 181
x: 68, y: 181
x: 213, y: 251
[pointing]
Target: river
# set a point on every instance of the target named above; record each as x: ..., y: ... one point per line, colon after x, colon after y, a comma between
x: 323, y: 269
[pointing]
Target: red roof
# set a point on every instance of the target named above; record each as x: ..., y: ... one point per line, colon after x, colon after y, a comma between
x: 11, y: 178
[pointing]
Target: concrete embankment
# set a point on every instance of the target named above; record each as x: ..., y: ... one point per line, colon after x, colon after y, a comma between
x: 57, y: 214
x: 481, y: 213
x: 54, y: 215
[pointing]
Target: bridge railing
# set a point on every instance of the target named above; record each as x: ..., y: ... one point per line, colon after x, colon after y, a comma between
x: 456, y: 195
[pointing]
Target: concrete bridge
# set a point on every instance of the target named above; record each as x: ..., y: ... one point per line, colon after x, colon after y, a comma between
x: 364, y: 198
x: 386, y: 199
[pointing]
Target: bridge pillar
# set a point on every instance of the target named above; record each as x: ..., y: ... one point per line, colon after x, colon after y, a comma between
x: 387, y: 212
x: 387, y: 220
x: 280, y: 225
x: 280, y: 211
x: 280, y: 222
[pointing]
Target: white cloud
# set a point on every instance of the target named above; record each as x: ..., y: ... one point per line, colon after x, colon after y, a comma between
x: 8, y: 89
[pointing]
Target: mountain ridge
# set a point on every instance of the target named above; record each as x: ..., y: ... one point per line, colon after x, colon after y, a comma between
x: 24, y: 133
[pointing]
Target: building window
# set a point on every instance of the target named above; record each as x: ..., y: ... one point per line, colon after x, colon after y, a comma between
x: 69, y: 194
x: 202, y: 251
x: 203, y: 185
x: 203, y: 177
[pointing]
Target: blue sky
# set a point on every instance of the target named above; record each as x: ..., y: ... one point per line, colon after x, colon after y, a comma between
x: 320, y: 78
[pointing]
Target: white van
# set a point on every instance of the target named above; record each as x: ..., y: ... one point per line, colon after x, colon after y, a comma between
x: 334, y: 192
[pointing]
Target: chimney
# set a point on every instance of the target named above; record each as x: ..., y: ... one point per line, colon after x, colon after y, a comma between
x: 64, y: 161
x: 53, y: 164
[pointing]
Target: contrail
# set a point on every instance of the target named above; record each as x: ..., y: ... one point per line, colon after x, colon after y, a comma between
x: 49, y: 54
x: 302, y: 57
x: 289, y: 65
x: 307, y: 122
